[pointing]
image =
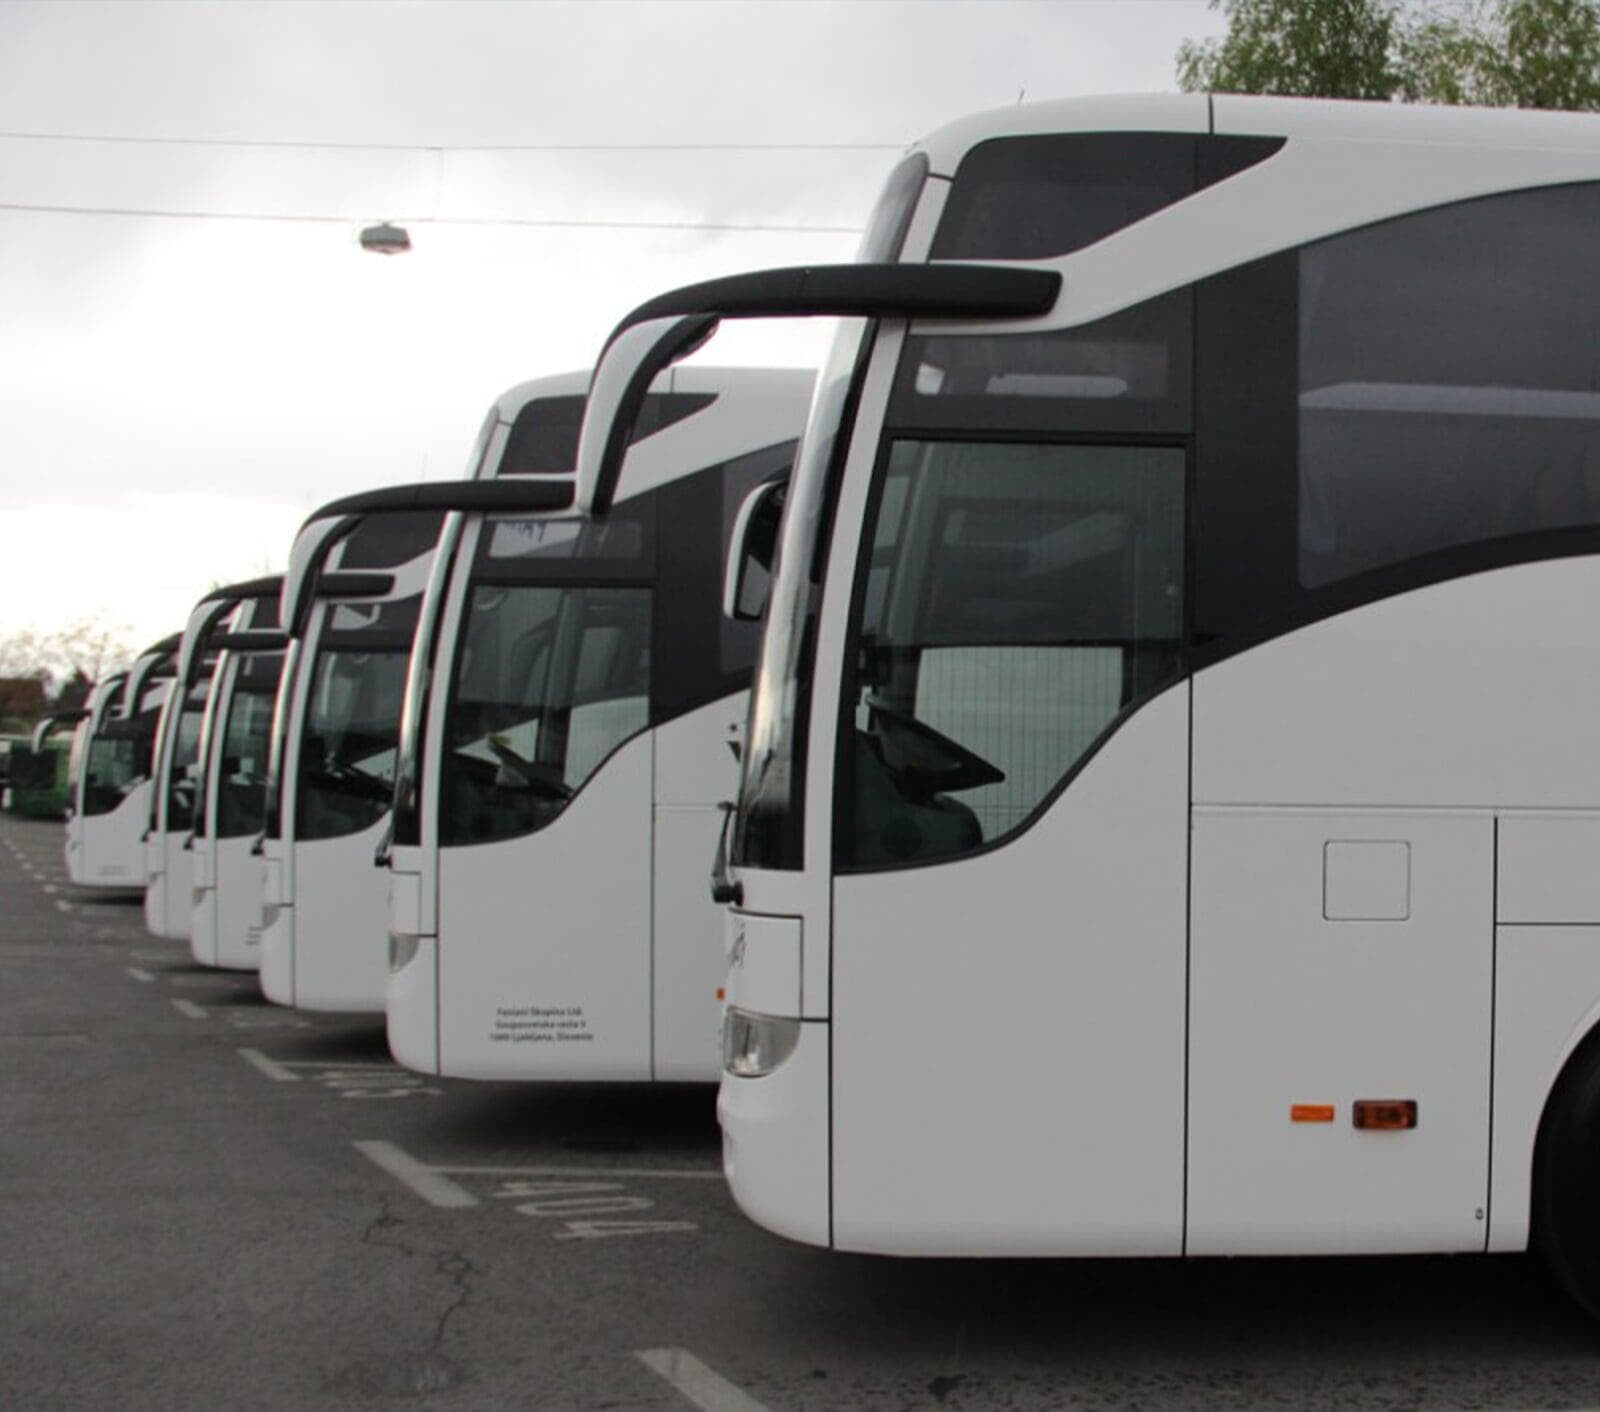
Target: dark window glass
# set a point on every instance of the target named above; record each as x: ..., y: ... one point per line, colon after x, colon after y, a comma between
x: 1030, y: 198
x: 242, y: 784
x: 704, y: 655
x: 548, y: 682
x: 1449, y: 381
x: 1126, y: 373
x: 1017, y: 600
x: 622, y: 545
x: 389, y: 540
x: 1396, y: 405
x: 347, y: 753
x: 1037, y: 197
x: 544, y: 438
x: 118, y: 762
x: 183, y: 783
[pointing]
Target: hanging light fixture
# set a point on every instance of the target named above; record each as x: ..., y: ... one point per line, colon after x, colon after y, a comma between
x: 386, y: 239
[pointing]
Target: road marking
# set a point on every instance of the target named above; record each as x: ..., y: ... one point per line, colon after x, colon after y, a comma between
x: 426, y: 1182
x: 189, y: 1008
x: 140, y: 974
x: 706, y: 1389
x: 50, y: 888
x: 714, y: 1175
x: 63, y: 905
x: 335, y: 1064
x: 270, y: 1067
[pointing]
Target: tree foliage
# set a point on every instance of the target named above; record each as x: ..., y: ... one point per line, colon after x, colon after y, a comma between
x: 1308, y: 48
x: 85, y: 647
x: 1499, y: 53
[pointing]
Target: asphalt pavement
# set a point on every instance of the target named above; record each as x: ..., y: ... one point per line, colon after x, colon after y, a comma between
x: 207, y: 1201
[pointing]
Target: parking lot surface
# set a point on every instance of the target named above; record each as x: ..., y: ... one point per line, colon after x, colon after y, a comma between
x: 208, y: 1201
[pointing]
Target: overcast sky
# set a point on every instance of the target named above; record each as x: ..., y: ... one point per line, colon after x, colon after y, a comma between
x: 176, y: 394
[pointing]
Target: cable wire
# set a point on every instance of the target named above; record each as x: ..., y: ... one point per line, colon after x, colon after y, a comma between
x: 425, y: 147
x: 755, y: 227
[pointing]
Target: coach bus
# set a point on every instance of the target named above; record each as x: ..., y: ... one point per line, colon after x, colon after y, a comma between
x: 169, y: 873
x: 574, y: 697
x: 111, y: 782
x: 230, y: 809
x: 330, y: 773
x: 1167, y: 816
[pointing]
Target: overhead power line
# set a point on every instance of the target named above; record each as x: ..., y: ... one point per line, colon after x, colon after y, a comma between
x: 157, y: 213
x: 433, y: 147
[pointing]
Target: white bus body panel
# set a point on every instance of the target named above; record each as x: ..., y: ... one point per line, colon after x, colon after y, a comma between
x: 1338, y: 957
x: 107, y: 850
x: 411, y: 1004
x: 276, y: 975
x: 202, y: 903
x: 775, y: 1141
x: 1345, y: 713
x: 559, y: 963
x: 169, y: 892
x: 1020, y: 1089
x: 694, y: 770
x: 227, y: 914
x: 335, y: 931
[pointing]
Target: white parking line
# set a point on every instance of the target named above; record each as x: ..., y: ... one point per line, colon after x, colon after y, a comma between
x: 270, y: 1067
x: 140, y: 974
x: 706, y: 1389
x: 189, y: 1008
x: 337, y: 1064
x: 712, y: 1175
x: 423, y: 1181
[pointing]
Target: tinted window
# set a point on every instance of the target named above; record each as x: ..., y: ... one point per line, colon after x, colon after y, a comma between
x: 347, y: 753
x: 242, y: 784
x: 548, y: 682
x: 544, y: 438
x: 183, y: 783
x: 1396, y: 405
x: 1017, y: 599
x: 1126, y: 373
x: 1449, y: 388
x: 1031, y: 198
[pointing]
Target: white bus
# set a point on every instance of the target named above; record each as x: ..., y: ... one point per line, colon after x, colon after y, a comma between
x: 567, y: 742
x: 330, y: 774
x: 1168, y: 815
x: 325, y: 908
x: 112, y: 767
x: 224, y: 925
x: 175, y: 788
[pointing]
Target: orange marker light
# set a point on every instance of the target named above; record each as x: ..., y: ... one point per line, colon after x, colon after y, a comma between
x: 1386, y: 1114
x: 1311, y: 1113
x: 722, y: 992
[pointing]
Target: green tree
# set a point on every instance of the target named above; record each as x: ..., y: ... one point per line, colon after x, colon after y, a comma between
x: 1499, y: 53
x: 1509, y: 54
x: 1305, y: 48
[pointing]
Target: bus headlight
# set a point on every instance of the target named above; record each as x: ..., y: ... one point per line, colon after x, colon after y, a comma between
x: 754, y: 1045
x: 402, y: 948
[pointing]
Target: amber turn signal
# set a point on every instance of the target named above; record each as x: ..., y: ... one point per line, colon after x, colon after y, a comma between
x: 1311, y: 1113
x: 1386, y: 1114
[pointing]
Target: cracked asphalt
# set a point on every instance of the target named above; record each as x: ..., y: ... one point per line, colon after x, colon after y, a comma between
x: 186, y: 1221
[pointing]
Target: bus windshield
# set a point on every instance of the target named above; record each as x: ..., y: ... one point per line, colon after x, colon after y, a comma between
x: 116, y: 764
x: 241, y: 795
x: 1018, y: 598
x: 352, y: 721
x: 551, y: 672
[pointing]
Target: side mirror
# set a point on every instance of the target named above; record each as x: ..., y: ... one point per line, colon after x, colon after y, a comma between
x: 617, y: 391
x: 751, y: 550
